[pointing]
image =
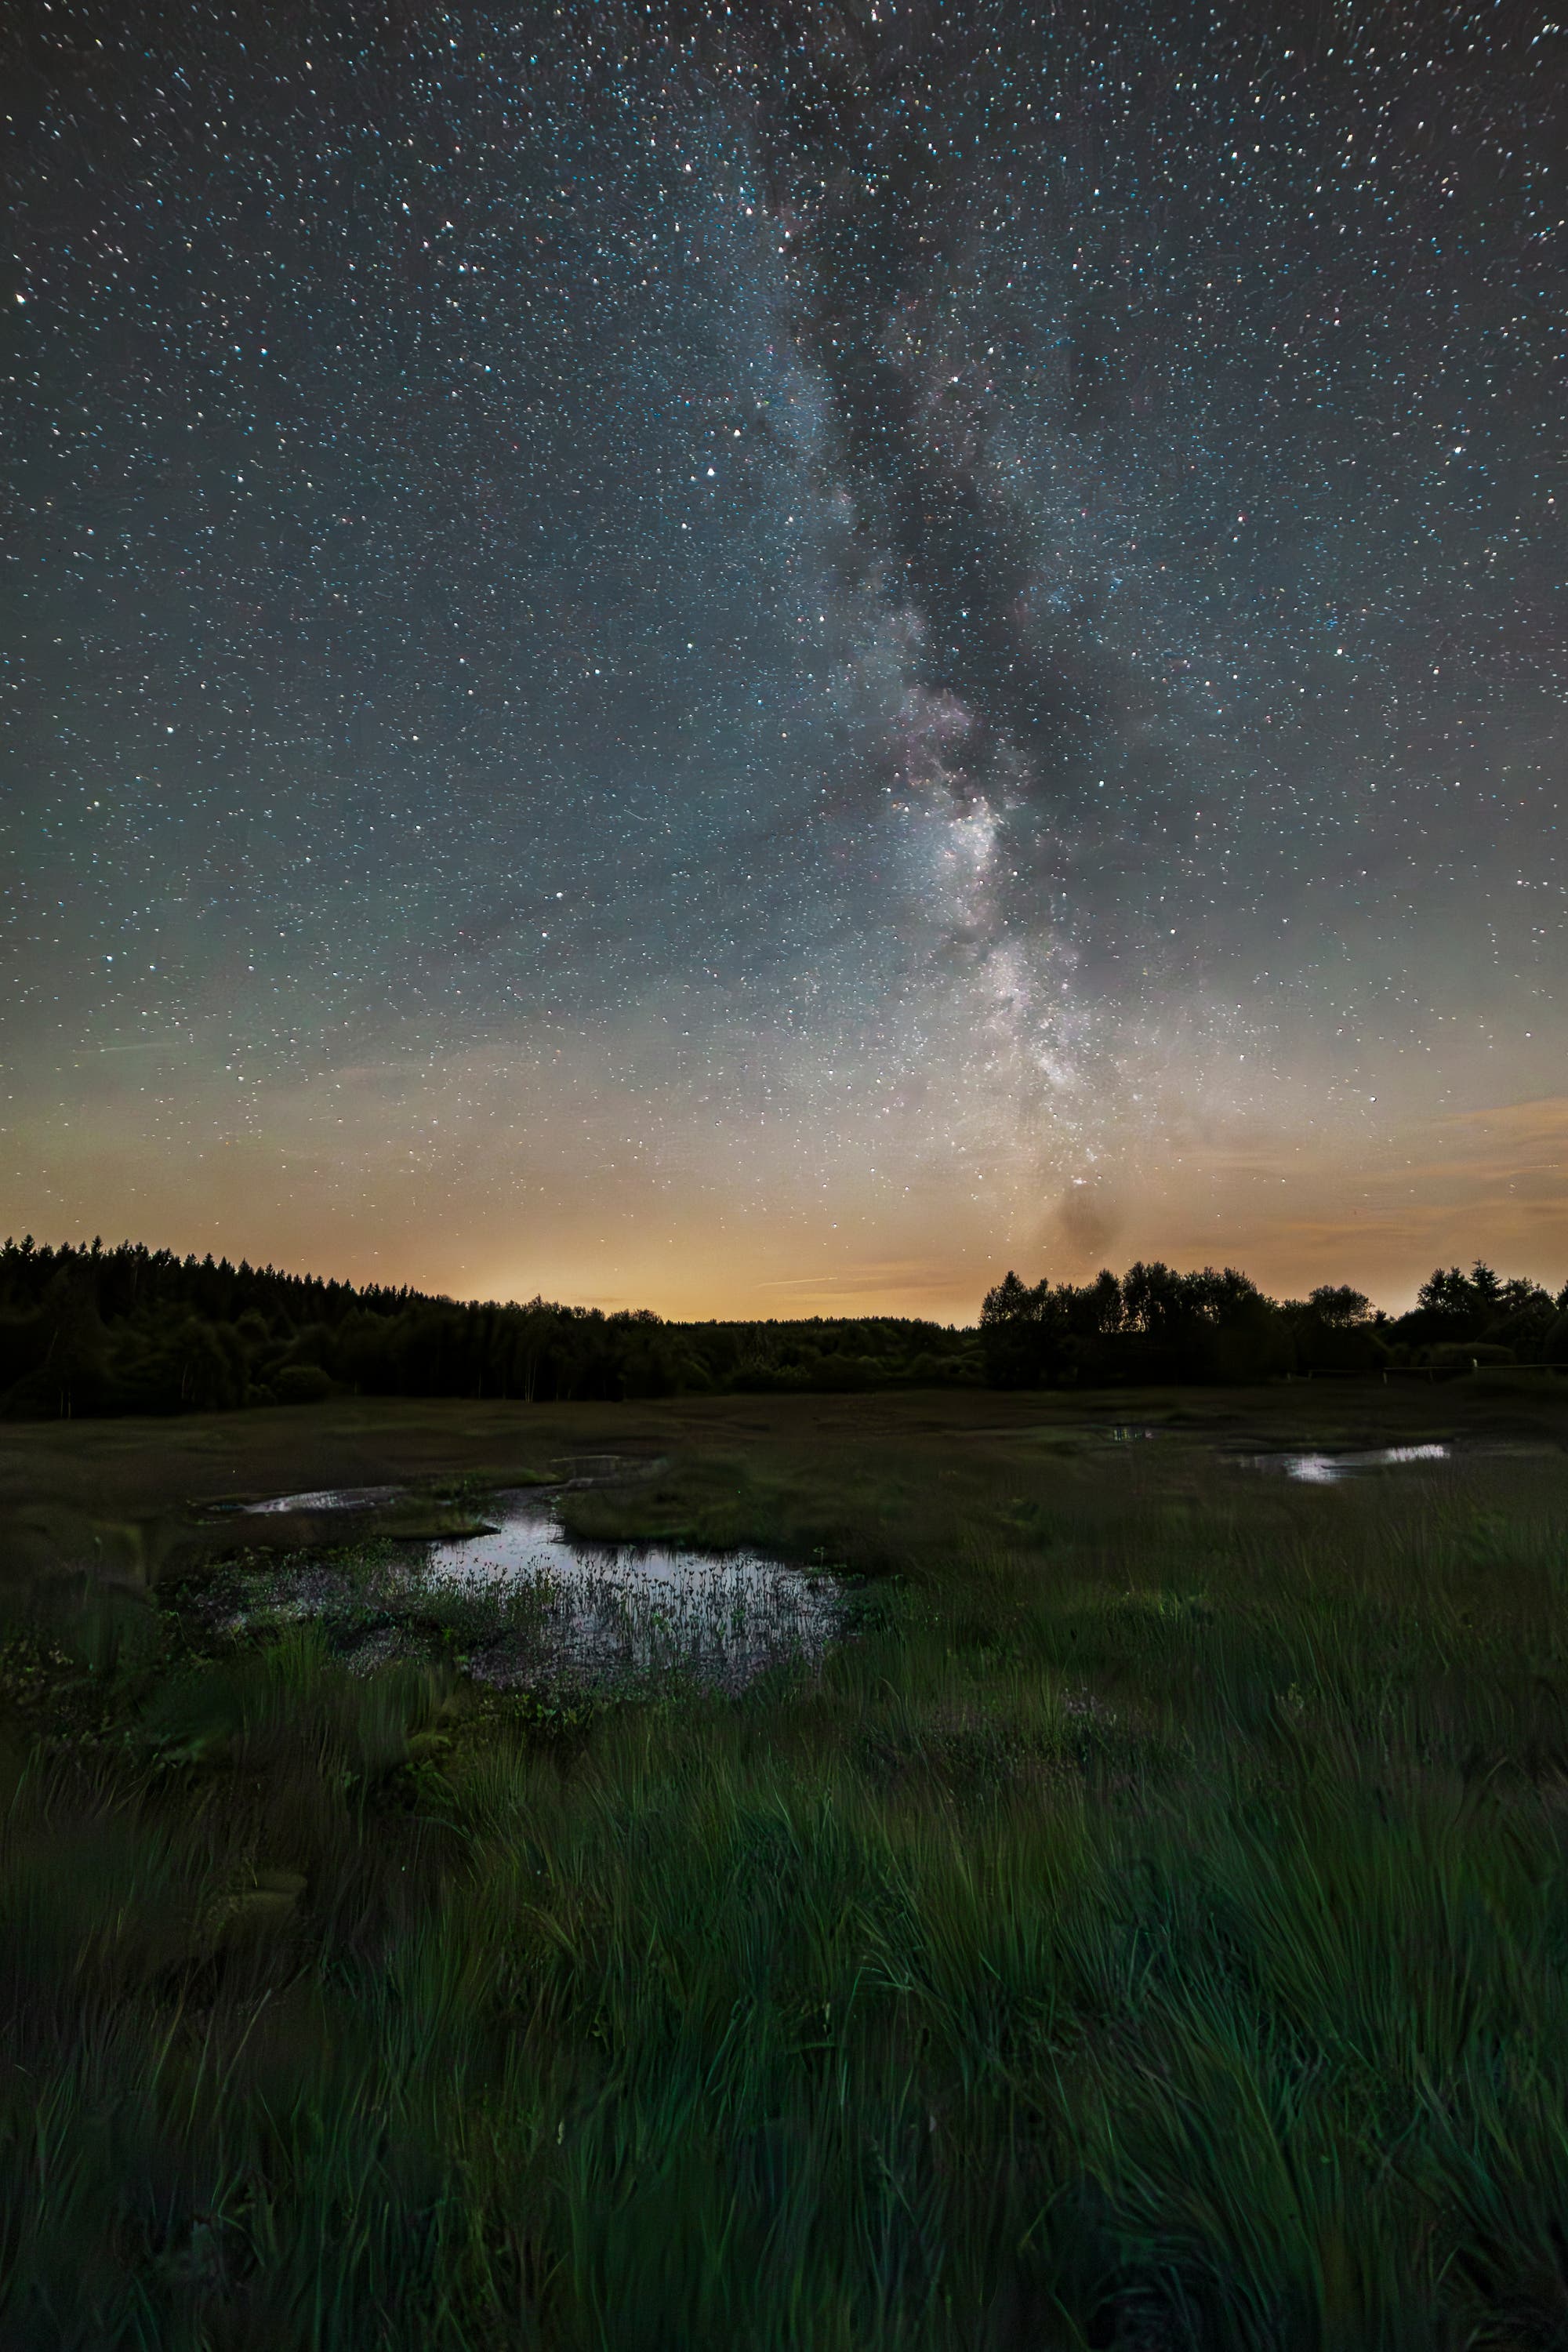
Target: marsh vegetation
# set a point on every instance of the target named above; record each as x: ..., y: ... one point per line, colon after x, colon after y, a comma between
x: 1146, y: 1930
x: 520, y: 1605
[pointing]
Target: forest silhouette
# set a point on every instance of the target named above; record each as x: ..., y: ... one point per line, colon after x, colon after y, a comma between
x: 88, y: 1330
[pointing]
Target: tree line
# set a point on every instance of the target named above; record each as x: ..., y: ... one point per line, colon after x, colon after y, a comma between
x: 1152, y: 1324
x: 89, y: 1331
x: 85, y: 1330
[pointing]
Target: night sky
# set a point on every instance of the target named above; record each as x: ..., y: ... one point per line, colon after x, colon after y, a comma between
x: 760, y: 660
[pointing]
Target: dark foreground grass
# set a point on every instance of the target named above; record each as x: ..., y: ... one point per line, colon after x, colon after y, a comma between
x: 1152, y: 1931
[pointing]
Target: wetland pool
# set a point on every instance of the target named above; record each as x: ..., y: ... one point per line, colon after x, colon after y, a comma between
x: 324, y: 1498
x: 1328, y: 1466
x: 1316, y: 1468
x: 523, y: 1605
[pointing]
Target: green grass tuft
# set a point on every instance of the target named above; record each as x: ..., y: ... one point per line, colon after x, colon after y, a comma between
x: 1149, y: 1931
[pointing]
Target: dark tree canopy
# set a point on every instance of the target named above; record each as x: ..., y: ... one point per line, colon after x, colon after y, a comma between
x: 85, y: 1330
x: 89, y: 1331
x: 1155, y: 1324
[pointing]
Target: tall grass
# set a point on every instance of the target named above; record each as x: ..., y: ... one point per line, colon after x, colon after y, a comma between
x: 1150, y: 1933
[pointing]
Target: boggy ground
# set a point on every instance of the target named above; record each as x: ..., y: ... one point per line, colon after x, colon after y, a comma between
x: 1150, y: 1931
x: 125, y: 1497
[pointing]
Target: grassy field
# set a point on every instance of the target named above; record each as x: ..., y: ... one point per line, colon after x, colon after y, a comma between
x: 1150, y: 1931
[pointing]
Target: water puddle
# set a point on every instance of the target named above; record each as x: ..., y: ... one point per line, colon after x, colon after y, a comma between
x: 1327, y: 1469
x: 326, y: 1498
x: 523, y: 1605
x: 572, y: 1470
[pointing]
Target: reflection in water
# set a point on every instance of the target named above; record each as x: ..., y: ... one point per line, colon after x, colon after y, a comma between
x: 330, y: 1499
x: 522, y: 1604
x: 615, y: 1611
x: 1327, y: 1469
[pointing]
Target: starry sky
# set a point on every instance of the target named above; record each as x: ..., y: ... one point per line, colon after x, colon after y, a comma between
x: 760, y: 659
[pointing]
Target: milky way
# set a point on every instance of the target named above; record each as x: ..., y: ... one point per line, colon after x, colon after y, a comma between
x: 761, y: 658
